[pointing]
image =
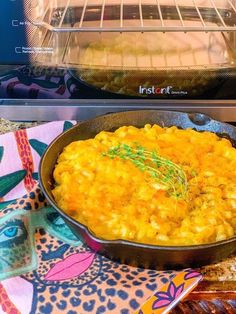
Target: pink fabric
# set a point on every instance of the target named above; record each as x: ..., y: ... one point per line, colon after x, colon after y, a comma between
x: 61, y: 274
x: 10, y: 163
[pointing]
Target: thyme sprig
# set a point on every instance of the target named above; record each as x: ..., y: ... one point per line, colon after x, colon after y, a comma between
x: 161, y: 169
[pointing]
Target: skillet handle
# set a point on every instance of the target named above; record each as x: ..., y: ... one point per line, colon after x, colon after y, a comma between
x: 199, y: 119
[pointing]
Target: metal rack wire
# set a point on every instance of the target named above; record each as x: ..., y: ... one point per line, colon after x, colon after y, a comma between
x: 148, y: 17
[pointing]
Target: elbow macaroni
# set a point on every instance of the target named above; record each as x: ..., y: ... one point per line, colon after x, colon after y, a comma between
x: 116, y: 200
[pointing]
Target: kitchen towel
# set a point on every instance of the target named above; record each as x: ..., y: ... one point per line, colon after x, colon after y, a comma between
x: 37, y: 82
x: 44, y: 268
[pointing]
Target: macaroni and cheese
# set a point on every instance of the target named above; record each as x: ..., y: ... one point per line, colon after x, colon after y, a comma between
x: 117, y: 197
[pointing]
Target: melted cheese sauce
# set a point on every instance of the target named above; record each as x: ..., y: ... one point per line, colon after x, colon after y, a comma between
x: 117, y: 200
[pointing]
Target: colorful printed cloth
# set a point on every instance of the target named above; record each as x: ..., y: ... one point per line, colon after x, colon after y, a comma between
x: 44, y: 268
x: 36, y: 82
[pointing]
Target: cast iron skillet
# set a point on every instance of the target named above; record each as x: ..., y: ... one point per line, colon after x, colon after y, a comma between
x: 149, y: 256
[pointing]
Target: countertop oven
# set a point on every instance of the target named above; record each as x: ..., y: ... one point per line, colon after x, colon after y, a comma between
x: 68, y: 59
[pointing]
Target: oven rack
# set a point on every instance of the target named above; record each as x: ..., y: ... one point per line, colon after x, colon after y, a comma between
x: 71, y: 18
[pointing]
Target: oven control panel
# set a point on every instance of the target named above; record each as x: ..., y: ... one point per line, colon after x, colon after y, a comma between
x: 13, y: 32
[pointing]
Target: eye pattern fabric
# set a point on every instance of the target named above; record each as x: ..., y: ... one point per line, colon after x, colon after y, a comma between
x: 10, y: 232
x: 56, y: 226
x: 16, y: 244
x: 17, y: 230
x: 13, y: 232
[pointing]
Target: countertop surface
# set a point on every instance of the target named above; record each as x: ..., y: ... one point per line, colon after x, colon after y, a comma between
x: 8, y: 126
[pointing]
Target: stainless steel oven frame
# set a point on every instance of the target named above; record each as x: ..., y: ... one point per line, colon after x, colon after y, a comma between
x: 49, y: 110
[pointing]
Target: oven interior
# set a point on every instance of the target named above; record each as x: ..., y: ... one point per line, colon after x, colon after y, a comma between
x: 120, y: 45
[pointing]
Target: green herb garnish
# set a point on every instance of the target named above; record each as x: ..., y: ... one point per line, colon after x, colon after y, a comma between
x: 161, y: 169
